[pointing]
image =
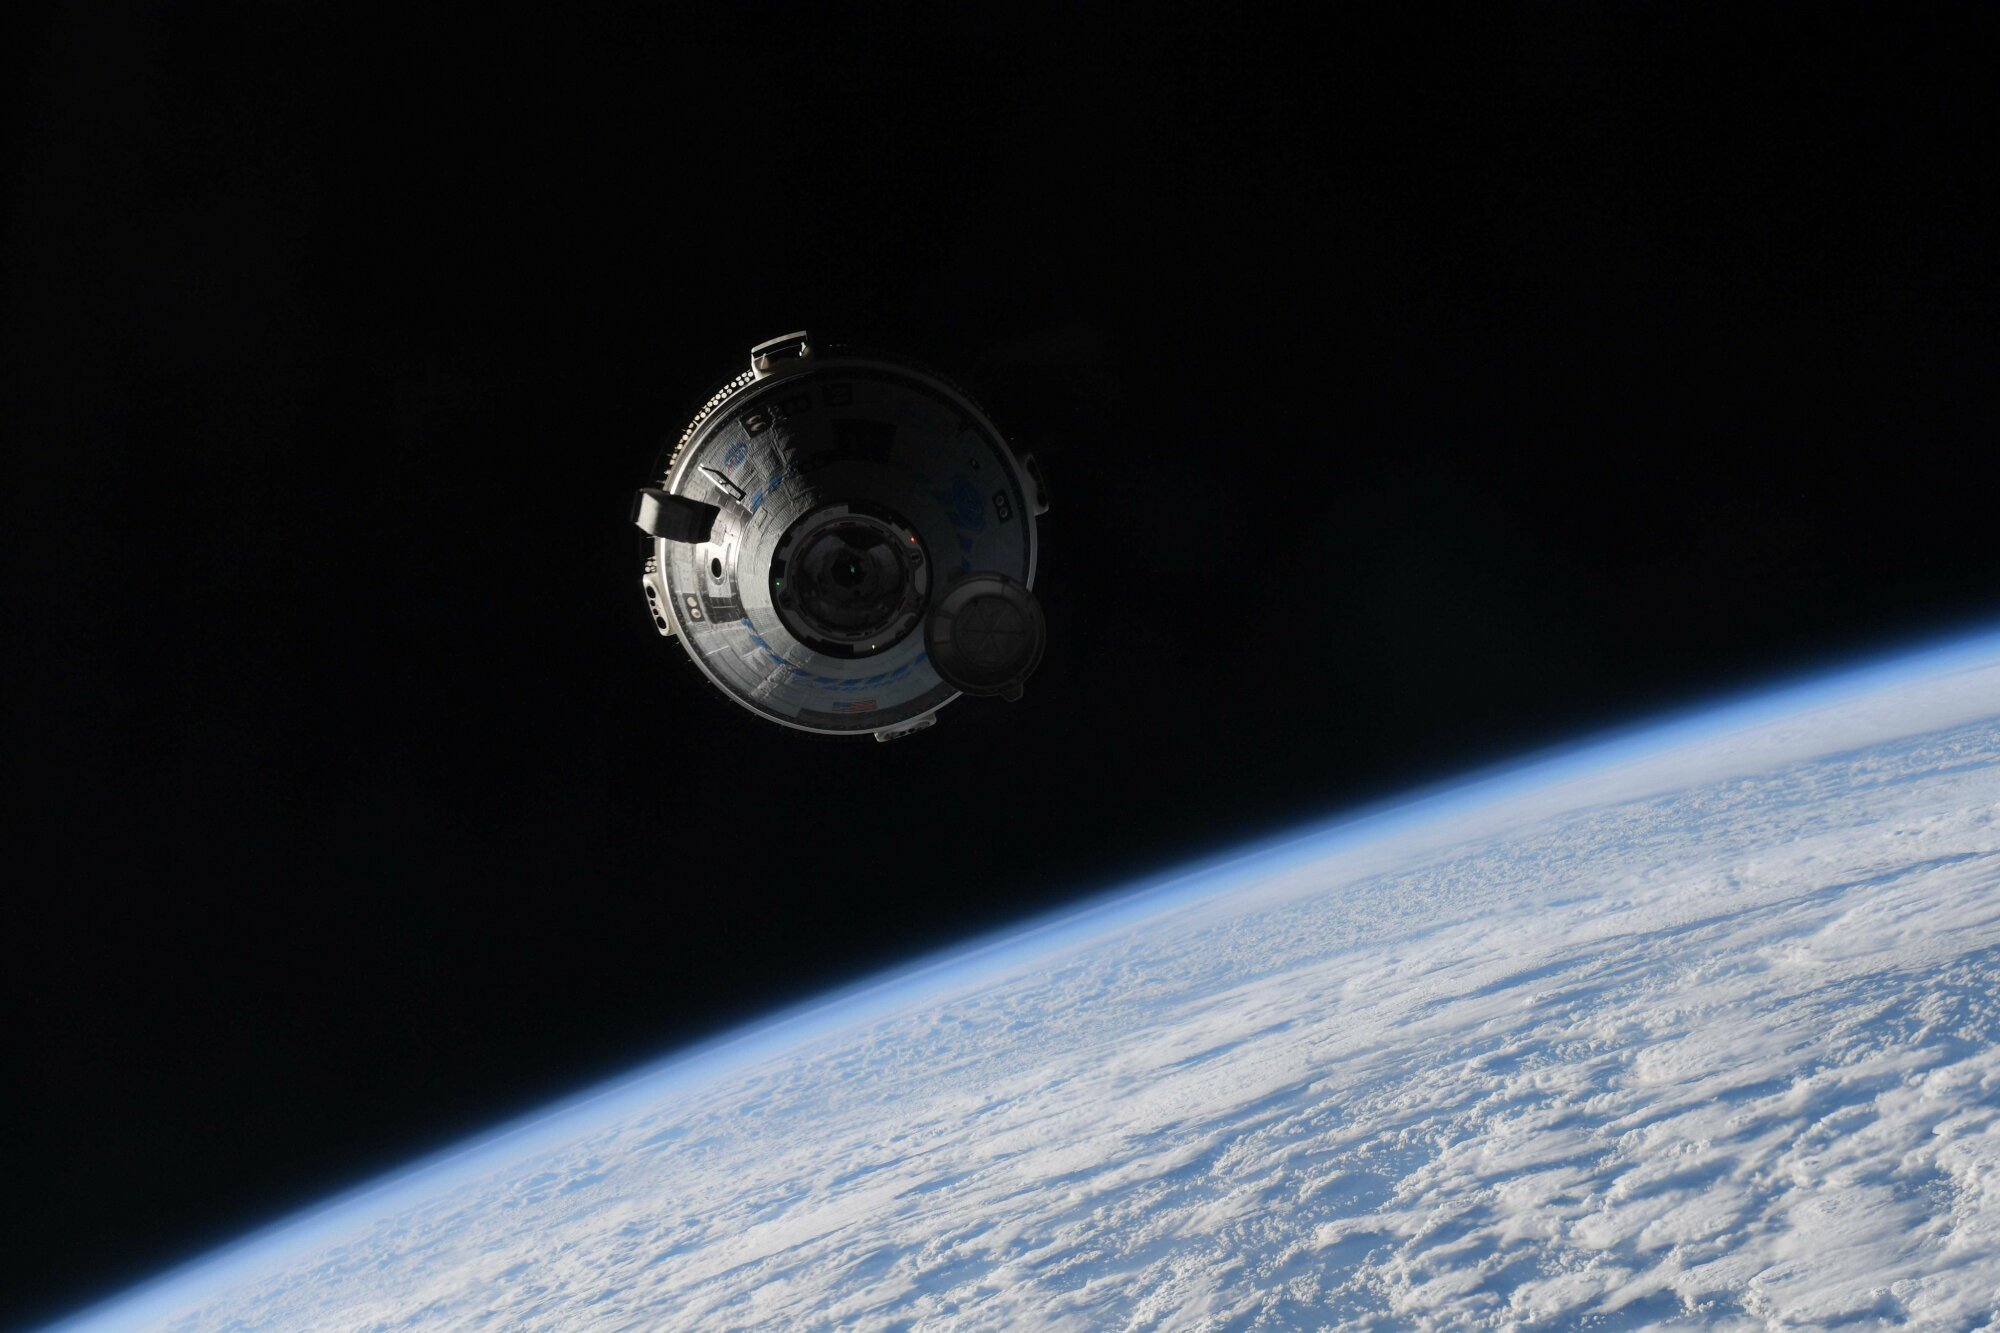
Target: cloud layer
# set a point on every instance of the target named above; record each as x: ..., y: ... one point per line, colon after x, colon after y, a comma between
x: 1723, y: 1057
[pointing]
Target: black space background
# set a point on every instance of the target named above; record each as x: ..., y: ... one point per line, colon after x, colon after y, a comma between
x: 1410, y: 397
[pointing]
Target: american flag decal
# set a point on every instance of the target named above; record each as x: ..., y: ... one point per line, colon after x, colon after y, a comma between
x: 853, y: 705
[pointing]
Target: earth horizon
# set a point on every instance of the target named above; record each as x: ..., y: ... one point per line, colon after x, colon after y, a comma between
x: 1696, y: 1025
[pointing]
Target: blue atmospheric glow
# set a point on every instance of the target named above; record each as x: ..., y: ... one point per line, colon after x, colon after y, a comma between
x: 968, y: 963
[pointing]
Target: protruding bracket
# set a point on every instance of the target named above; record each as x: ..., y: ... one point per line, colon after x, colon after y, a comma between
x: 769, y: 358
x: 654, y: 584
x: 896, y: 733
x: 1039, y: 500
x: 674, y: 518
x: 722, y: 482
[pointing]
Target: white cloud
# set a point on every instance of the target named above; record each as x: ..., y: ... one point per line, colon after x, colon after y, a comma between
x: 1719, y: 1054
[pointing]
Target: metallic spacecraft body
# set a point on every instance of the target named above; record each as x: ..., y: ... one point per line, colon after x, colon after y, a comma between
x: 845, y: 544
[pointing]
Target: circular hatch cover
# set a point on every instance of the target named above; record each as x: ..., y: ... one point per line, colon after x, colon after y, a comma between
x: 985, y: 634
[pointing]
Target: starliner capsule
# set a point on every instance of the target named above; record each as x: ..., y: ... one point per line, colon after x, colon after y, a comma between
x: 845, y: 543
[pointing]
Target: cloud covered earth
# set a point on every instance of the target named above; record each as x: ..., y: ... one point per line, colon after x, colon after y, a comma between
x: 1716, y: 1055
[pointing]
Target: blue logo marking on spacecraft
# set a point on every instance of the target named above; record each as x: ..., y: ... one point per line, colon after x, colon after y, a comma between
x: 770, y: 487
x: 968, y: 514
x: 831, y: 682
x: 967, y: 503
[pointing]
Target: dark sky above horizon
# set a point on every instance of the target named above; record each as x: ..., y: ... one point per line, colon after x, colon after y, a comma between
x: 1411, y: 395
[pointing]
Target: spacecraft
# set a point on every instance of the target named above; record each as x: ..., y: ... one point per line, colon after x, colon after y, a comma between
x: 845, y: 543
